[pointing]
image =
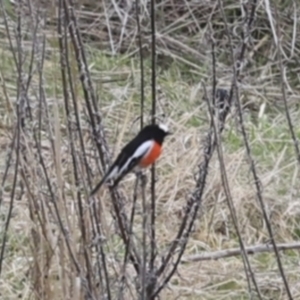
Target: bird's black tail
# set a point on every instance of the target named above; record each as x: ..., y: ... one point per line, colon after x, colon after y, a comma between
x: 97, y: 187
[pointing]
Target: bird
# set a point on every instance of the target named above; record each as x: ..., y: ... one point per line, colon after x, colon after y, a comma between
x: 141, y: 152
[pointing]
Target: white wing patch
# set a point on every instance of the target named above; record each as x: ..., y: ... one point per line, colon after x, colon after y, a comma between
x: 112, y: 174
x: 141, y: 151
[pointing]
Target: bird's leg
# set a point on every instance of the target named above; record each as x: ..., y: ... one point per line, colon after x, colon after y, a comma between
x: 143, y: 179
x: 140, y: 174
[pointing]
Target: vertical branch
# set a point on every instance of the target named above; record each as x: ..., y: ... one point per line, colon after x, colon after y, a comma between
x: 143, y: 266
x: 246, y: 262
x: 37, y: 203
x: 137, y: 12
x: 8, y: 164
x: 153, y: 113
x: 191, y: 210
x: 218, y: 111
x: 20, y: 102
x: 97, y: 129
x: 95, y: 221
x: 130, y: 236
x: 62, y: 40
x: 144, y: 283
x: 236, y: 65
x: 12, y: 196
x: 283, y: 84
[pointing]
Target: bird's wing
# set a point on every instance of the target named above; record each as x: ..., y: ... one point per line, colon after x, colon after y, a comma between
x: 129, y: 157
x: 135, y: 158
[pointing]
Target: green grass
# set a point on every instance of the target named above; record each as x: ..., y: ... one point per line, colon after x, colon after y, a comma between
x: 116, y: 80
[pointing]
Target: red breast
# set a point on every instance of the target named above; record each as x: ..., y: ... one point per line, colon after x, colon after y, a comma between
x: 152, y: 156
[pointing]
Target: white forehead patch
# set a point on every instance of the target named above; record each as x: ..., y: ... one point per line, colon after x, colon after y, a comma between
x: 163, y: 127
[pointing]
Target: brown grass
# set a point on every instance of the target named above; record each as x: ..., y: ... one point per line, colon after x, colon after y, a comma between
x: 37, y: 263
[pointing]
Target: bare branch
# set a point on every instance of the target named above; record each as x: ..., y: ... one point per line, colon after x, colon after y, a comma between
x: 238, y: 251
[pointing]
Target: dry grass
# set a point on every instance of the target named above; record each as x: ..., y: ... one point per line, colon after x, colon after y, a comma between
x: 37, y: 264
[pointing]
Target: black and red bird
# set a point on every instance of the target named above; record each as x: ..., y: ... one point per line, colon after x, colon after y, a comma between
x: 140, y: 152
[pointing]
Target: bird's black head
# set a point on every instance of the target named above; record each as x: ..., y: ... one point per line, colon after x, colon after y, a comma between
x: 158, y: 132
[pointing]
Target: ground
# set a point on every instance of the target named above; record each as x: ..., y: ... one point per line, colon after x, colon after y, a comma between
x: 36, y: 262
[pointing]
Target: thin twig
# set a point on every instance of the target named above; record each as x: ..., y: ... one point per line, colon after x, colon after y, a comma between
x: 95, y: 120
x: 283, y: 84
x: 130, y: 236
x: 65, y: 71
x: 153, y: 114
x: 191, y: 210
x: 227, y: 191
x: 143, y: 272
x: 137, y: 11
x: 238, y: 251
x: 257, y: 183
